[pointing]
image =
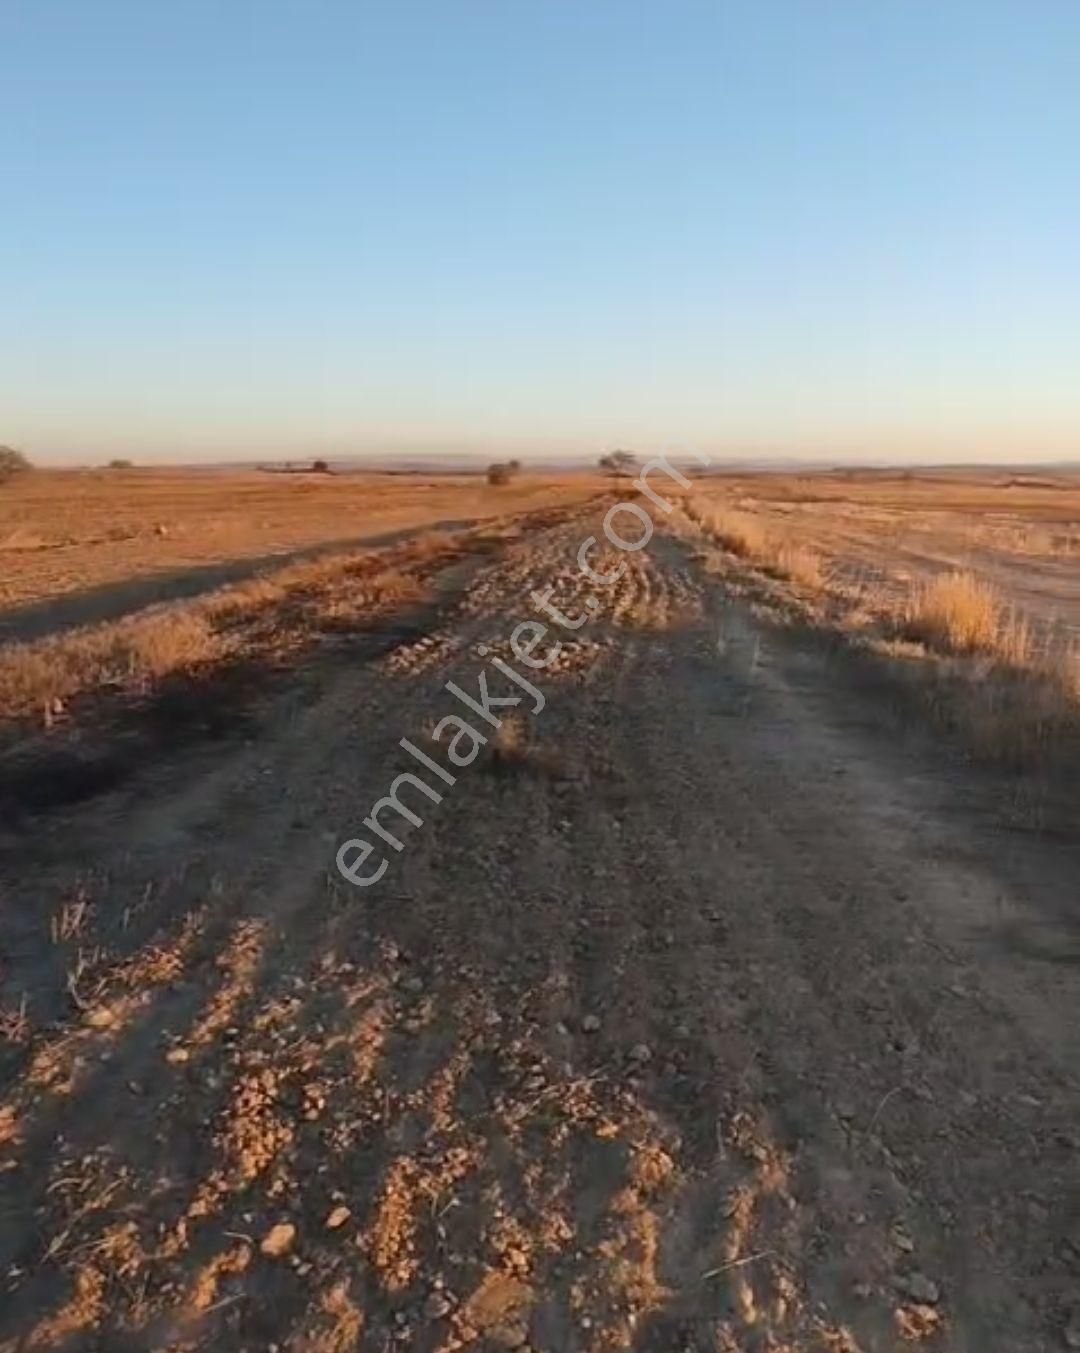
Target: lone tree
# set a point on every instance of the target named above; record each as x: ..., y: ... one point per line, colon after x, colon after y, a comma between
x: 499, y: 474
x: 12, y: 462
x: 618, y: 462
x: 320, y: 467
x: 120, y: 464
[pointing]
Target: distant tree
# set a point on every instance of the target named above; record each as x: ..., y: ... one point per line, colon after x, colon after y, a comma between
x: 120, y: 464
x: 12, y: 462
x: 618, y: 462
x: 499, y: 474
x: 514, y: 466
x: 320, y: 467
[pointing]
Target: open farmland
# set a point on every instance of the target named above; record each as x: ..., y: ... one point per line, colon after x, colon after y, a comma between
x: 968, y: 585
x: 724, y: 998
x: 1020, y: 534
x: 112, y: 540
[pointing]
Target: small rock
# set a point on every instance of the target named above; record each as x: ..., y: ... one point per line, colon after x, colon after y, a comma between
x: 1072, y: 1332
x: 917, y: 1321
x: 919, y: 1288
x: 279, y: 1240
x: 902, y: 1240
x: 640, y: 1053
x: 177, y: 1056
x: 590, y: 1024
x: 508, y: 1336
x: 413, y: 985
x: 101, y: 1017
x: 338, y: 1217
x: 437, y: 1305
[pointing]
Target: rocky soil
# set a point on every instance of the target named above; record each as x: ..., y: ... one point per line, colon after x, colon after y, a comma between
x: 710, y: 1009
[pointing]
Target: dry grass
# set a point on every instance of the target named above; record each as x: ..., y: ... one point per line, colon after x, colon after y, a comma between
x: 1018, y: 538
x: 981, y: 674
x: 15, y: 1023
x: 898, y: 531
x: 738, y: 533
x: 70, y: 922
x: 510, y: 743
x: 1006, y: 682
x: 64, y: 532
x: 960, y: 613
x: 1023, y: 719
x: 801, y: 564
x: 132, y: 652
x: 749, y: 538
x: 266, y: 613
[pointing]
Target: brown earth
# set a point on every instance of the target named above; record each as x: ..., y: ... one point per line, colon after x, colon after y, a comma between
x: 717, y: 1006
x: 82, y: 546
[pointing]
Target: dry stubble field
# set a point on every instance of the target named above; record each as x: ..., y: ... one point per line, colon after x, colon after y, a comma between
x: 728, y: 1001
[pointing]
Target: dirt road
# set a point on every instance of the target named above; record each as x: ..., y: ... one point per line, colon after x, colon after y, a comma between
x: 705, y: 1012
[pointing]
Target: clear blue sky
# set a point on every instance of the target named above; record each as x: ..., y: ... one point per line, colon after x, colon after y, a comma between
x: 840, y: 226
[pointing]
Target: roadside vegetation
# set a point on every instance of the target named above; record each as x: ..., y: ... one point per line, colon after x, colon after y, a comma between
x: 961, y: 613
x: 503, y: 472
x: 751, y: 539
x: 976, y: 659
x: 12, y: 463
x: 617, y: 463
x: 264, y: 617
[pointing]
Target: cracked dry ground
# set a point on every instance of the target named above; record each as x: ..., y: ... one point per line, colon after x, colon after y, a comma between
x: 704, y: 1013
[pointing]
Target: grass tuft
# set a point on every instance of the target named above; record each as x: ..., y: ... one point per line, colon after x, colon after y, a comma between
x: 961, y: 613
x: 801, y: 564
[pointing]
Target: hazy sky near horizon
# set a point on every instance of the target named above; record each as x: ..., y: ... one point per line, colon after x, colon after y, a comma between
x: 315, y: 226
